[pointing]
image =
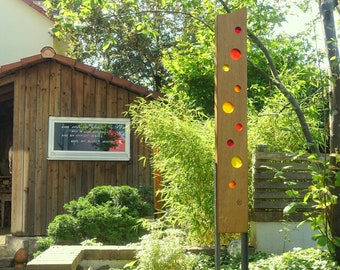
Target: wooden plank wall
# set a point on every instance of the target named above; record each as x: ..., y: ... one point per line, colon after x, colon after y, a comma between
x: 273, y: 174
x: 41, y: 187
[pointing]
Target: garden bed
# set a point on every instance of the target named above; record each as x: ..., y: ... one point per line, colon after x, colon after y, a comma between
x: 70, y: 257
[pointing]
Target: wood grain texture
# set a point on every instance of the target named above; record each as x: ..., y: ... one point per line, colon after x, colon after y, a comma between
x: 40, y: 186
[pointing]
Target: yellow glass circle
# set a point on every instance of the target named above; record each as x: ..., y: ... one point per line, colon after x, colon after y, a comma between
x: 236, y: 162
x: 226, y: 68
x: 228, y: 107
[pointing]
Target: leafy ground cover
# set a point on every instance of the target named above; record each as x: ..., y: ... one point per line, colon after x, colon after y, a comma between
x: 165, y: 249
x: 297, y: 259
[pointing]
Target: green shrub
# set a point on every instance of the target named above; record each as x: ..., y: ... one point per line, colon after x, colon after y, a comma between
x: 161, y: 250
x: 183, y: 140
x: 109, y: 214
x: 64, y: 228
x: 147, y: 193
x: 43, y: 243
x: 100, y: 195
x: 297, y: 259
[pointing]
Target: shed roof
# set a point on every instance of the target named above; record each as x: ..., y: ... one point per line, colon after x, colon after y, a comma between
x: 37, y: 8
x: 49, y: 54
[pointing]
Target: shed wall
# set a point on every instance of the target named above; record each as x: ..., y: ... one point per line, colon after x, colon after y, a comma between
x: 41, y: 187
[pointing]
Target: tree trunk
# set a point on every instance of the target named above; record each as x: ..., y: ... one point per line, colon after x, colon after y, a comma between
x: 327, y: 9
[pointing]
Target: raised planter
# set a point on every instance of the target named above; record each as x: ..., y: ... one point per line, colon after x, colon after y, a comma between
x: 82, y: 257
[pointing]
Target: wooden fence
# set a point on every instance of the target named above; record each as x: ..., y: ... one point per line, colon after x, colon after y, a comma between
x: 273, y: 175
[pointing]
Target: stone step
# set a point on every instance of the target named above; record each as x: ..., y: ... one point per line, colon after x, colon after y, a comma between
x: 9, y: 245
x: 6, y: 263
x: 6, y: 257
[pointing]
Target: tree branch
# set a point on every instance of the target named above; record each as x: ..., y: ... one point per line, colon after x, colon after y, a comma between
x: 275, y: 79
x: 163, y: 11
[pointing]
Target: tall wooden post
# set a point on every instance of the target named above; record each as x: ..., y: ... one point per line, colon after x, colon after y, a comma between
x: 231, y: 158
x: 231, y: 123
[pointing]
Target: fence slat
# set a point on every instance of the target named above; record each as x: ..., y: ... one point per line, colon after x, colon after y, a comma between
x: 273, y: 175
x: 269, y: 175
x: 267, y: 194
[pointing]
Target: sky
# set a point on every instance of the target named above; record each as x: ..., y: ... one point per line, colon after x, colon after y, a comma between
x: 298, y: 21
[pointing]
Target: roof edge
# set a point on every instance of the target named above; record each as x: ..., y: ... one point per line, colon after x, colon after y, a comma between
x: 48, y: 53
x: 37, y: 8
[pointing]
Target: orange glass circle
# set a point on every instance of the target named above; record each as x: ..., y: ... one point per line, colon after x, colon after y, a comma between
x: 236, y: 162
x: 228, y: 107
x: 238, y: 127
x: 237, y: 88
x: 232, y: 184
x: 235, y: 54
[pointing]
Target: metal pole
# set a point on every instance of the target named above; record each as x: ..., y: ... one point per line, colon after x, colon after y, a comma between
x: 217, y: 251
x: 244, y: 251
x: 217, y: 235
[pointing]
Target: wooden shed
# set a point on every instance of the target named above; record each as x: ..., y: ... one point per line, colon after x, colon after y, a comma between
x: 31, y: 91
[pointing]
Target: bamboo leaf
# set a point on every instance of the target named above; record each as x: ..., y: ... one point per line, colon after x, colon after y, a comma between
x: 290, y: 208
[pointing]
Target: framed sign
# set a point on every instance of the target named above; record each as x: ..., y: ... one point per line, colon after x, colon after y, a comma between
x: 82, y: 138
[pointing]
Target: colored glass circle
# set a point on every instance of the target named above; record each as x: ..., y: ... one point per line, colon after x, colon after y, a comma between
x: 238, y: 127
x: 237, y: 88
x: 228, y: 107
x: 236, y: 162
x: 235, y: 54
x: 226, y: 68
x: 238, y: 30
x: 232, y: 184
x: 230, y: 143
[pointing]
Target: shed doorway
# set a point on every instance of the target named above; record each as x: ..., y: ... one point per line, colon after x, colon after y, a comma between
x: 6, y: 138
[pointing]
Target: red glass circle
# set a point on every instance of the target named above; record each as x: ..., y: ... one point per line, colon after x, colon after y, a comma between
x: 238, y: 126
x: 235, y: 54
x: 230, y: 143
x: 238, y: 30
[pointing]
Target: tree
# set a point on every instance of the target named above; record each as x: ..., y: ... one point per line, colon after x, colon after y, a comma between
x: 168, y: 45
x: 326, y: 8
x: 126, y: 38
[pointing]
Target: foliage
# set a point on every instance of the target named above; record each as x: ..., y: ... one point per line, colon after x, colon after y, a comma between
x: 126, y: 38
x: 108, y: 214
x: 297, y: 259
x: 146, y: 193
x: 168, y: 45
x: 276, y: 125
x: 172, y: 42
x: 320, y: 194
x: 91, y: 242
x: 43, y: 243
x: 183, y: 143
x: 63, y: 228
x: 193, y: 76
x: 164, y: 249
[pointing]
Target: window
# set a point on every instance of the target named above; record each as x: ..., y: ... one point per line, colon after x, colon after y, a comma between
x: 81, y: 138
